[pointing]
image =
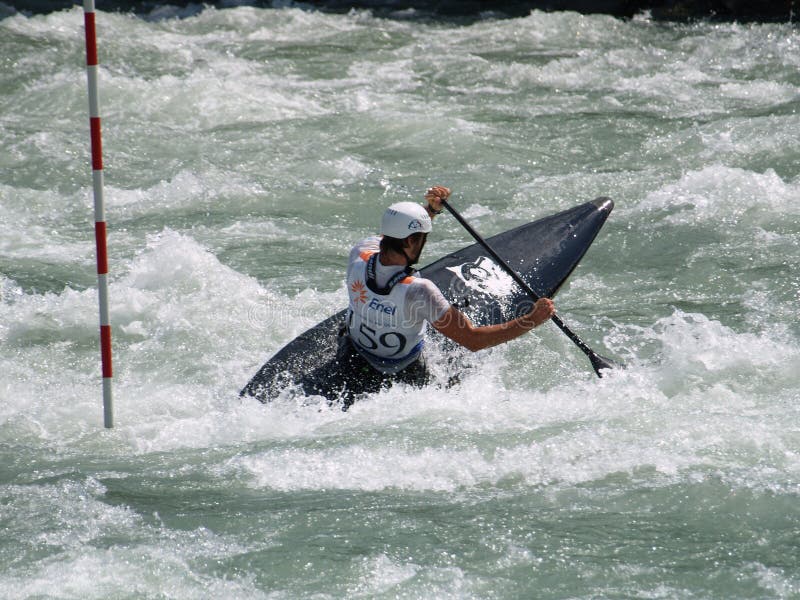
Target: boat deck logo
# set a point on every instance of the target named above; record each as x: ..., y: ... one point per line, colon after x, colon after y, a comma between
x: 485, y: 277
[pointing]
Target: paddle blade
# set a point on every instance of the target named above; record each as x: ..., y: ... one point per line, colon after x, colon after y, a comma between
x: 600, y: 363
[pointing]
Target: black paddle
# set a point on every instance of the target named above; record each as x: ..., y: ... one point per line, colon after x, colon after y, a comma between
x: 598, y: 362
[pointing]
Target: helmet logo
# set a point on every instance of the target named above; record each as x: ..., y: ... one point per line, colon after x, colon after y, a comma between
x: 414, y: 225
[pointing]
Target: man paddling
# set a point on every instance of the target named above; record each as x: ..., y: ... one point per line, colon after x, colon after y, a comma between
x: 389, y: 307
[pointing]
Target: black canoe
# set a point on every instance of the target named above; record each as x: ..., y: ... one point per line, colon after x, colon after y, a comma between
x: 543, y: 252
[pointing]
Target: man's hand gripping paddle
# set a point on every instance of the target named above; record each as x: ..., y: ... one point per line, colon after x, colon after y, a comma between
x: 599, y: 363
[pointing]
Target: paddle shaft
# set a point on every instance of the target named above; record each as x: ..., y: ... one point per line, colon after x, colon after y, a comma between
x: 521, y: 282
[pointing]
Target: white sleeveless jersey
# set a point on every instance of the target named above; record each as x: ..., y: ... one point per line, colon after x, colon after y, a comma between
x: 377, y: 322
x: 387, y: 327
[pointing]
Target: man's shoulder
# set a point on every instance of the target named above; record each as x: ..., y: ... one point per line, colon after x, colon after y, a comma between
x: 369, y: 244
x: 427, y: 296
x: 424, y: 285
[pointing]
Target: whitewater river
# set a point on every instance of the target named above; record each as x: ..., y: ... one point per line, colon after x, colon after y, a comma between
x: 245, y: 151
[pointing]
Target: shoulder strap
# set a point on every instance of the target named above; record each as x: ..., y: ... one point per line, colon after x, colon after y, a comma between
x: 372, y: 283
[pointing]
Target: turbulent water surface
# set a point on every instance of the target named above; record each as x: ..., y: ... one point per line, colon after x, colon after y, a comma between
x: 245, y: 151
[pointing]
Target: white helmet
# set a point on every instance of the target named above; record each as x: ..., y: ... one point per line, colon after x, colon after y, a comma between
x: 404, y: 218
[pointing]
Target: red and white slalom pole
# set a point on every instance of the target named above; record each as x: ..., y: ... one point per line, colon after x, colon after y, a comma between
x: 99, y: 211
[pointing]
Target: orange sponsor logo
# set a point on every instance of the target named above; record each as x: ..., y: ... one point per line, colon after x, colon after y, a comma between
x: 359, y: 291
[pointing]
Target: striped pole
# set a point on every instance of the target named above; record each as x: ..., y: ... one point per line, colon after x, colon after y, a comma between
x: 99, y: 211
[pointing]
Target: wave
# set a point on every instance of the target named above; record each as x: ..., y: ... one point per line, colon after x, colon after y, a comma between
x: 658, y: 9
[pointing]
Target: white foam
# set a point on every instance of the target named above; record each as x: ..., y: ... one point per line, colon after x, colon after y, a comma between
x: 637, y: 421
x: 73, y: 551
x: 185, y: 329
x: 54, y: 26
x: 379, y: 574
x: 761, y: 93
x: 777, y: 580
x: 29, y: 230
x: 720, y: 193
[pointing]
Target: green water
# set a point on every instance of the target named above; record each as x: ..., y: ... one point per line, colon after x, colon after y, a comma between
x: 245, y: 151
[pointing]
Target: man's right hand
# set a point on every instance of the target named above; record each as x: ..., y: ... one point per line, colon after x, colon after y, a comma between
x: 457, y: 326
x: 435, y: 195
